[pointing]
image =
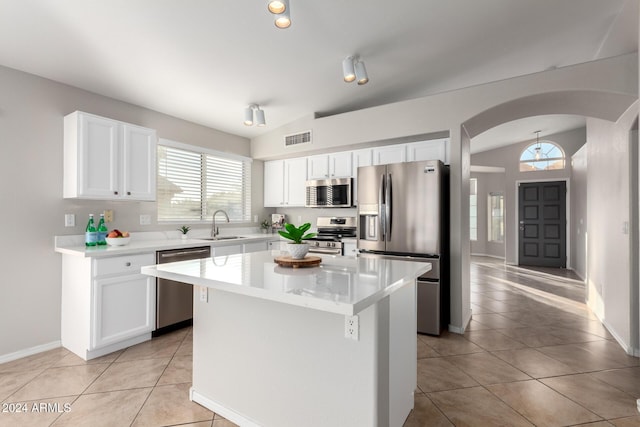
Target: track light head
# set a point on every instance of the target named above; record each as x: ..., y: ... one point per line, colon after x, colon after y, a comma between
x: 281, y: 9
x: 348, y: 70
x: 260, y: 117
x: 277, y: 6
x: 361, y: 73
x: 248, y: 116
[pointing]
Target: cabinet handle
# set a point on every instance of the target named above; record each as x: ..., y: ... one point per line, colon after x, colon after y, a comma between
x: 115, y: 192
x: 127, y: 264
x: 128, y: 193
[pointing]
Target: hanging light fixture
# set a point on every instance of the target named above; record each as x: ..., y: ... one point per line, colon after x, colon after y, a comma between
x: 538, y: 148
x: 259, y: 115
x: 281, y: 10
x: 353, y: 69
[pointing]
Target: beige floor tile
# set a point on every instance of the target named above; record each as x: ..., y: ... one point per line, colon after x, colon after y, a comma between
x: 169, y: 405
x: 599, y: 397
x: 128, y: 375
x: 534, y: 363
x: 200, y: 424
x: 40, y: 413
x: 487, y: 369
x: 99, y: 409
x: 612, y: 351
x: 533, y: 336
x: 573, y: 336
x: 35, y: 362
x: 474, y: 325
x: 186, y: 348
x: 476, y: 407
x: 425, y: 413
x: 596, y: 424
x: 10, y: 382
x: 159, y: 348
x: 219, y: 421
x: 580, y: 358
x: 436, y: 374
x: 72, y: 360
x: 180, y: 370
x: 492, y: 340
x: 625, y: 379
x: 541, y: 405
x: 449, y: 344
x: 424, y: 350
x: 497, y: 321
x: 626, y: 422
x: 56, y: 382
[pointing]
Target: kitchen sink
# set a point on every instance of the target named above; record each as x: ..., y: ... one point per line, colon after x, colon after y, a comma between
x: 222, y: 238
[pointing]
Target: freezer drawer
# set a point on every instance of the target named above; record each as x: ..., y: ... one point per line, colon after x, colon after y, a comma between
x: 430, y: 308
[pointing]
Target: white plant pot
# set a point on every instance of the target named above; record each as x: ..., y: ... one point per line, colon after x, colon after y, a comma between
x: 184, y: 237
x: 298, y: 250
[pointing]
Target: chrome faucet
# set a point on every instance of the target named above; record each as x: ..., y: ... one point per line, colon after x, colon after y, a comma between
x: 214, y: 230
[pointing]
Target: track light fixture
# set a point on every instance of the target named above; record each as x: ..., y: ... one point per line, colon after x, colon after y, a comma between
x: 281, y: 10
x: 353, y: 69
x: 259, y: 115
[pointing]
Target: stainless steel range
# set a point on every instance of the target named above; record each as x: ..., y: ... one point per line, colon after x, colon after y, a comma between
x: 331, y: 230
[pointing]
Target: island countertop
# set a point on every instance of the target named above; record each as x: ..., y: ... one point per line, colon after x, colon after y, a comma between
x: 341, y: 285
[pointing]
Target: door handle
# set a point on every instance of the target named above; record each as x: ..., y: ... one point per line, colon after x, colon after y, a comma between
x: 381, y: 207
x: 389, y: 197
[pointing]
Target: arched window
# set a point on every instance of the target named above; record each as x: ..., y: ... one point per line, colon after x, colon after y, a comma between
x: 542, y: 156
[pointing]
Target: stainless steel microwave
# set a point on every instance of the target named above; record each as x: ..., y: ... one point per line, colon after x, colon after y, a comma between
x: 329, y: 193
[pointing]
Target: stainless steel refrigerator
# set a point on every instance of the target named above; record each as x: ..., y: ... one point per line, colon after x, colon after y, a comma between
x: 403, y: 211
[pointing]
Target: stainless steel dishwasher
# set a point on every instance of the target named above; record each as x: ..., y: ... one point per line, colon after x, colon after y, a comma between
x: 174, y: 300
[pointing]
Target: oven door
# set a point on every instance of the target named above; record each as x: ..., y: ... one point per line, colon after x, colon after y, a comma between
x: 326, y: 251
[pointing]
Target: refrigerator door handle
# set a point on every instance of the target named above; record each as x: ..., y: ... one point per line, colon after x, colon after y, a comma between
x: 381, y: 208
x: 389, y: 197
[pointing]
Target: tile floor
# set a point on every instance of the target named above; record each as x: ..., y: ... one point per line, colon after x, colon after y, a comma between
x: 529, y: 357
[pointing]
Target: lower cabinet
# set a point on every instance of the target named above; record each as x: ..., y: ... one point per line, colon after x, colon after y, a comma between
x: 107, y: 304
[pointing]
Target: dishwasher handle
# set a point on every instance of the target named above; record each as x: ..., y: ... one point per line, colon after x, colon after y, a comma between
x: 193, y: 254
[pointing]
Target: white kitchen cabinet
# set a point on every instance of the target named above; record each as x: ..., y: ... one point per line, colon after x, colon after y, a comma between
x: 107, y: 304
x: 436, y: 149
x: 105, y: 159
x: 360, y: 158
x: 255, y: 247
x: 284, y: 182
x: 226, y: 250
x: 336, y: 165
x: 350, y: 248
x: 389, y: 154
x: 277, y: 245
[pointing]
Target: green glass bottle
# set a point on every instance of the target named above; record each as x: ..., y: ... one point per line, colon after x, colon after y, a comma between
x: 91, y: 234
x: 102, y: 231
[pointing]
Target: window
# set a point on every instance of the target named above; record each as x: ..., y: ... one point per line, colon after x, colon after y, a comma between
x: 473, y: 209
x: 194, y: 182
x: 496, y: 217
x: 542, y: 156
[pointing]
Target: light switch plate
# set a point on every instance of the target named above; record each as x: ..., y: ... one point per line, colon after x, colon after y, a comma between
x: 145, y: 219
x: 108, y: 215
x: 69, y: 220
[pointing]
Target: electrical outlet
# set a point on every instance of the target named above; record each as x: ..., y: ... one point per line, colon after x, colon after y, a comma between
x: 204, y: 293
x: 352, y: 327
x: 255, y: 218
x: 145, y: 219
x: 108, y: 215
x: 69, y: 220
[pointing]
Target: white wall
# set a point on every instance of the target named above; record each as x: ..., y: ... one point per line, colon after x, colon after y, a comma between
x: 603, y: 89
x: 31, y: 135
x: 509, y: 158
x: 579, y: 212
x: 608, y: 270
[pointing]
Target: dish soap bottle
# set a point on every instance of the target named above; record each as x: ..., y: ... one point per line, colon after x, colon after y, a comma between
x: 91, y: 234
x: 102, y: 231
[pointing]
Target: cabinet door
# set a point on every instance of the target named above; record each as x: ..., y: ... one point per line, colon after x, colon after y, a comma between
x: 350, y: 249
x: 273, y: 184
x: 138, y: 163
x: 428, y: 150
x: 98, y: 157
x: 226, y: 250
x: 255, y: 247
x: 124, y: 307
x: 390, y: 154
x: 295, y: 182
x: 360, y: 158
x: 340, y: 165
x: 318, y: 167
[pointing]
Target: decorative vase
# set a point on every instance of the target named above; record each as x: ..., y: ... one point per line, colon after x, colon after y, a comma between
x: 184, y: 237
x: 298, y: 250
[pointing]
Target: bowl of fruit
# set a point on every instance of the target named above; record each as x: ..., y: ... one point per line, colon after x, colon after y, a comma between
x: 118, y: 238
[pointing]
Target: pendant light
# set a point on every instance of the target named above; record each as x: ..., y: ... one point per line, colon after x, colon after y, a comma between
x: 538, y: 148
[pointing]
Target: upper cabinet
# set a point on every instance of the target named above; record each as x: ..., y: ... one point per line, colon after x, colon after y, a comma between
x: 284, y: 182
x: 337, y: 165
x: 105, y: 159
x: 389, y: 154
x: 435, y: 149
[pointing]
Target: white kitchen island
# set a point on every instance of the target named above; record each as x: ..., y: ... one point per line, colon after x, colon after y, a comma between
x: 270, y: 345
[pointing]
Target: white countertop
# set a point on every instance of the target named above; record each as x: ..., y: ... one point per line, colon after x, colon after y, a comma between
x: 342, y: 285
x: 150, y: 242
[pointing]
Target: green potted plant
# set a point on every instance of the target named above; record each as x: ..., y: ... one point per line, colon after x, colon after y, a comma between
x: 297, y: 249
x: 184, y: 230
x: 265, y: 225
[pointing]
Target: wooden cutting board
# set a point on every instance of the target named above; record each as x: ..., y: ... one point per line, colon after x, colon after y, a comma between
x: 287, y: 261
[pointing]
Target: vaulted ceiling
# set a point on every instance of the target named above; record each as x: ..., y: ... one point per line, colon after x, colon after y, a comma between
x: 206, y: 60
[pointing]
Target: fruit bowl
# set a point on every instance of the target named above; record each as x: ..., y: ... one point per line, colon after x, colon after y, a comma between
x: 118, y: 241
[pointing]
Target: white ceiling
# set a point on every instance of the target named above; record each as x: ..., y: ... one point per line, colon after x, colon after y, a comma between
x: 206, y: 60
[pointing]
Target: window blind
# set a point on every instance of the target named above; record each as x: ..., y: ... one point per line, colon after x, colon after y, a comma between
x: 193, y: 184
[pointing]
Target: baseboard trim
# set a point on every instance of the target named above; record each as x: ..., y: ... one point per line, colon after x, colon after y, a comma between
x: 227, y: 413
x: 460, y: 330
x: 488, y: 255
x: 625, y: 346
x: 29, y: 351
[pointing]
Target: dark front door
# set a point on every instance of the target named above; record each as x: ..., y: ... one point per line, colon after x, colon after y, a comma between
x: 542, y: 224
